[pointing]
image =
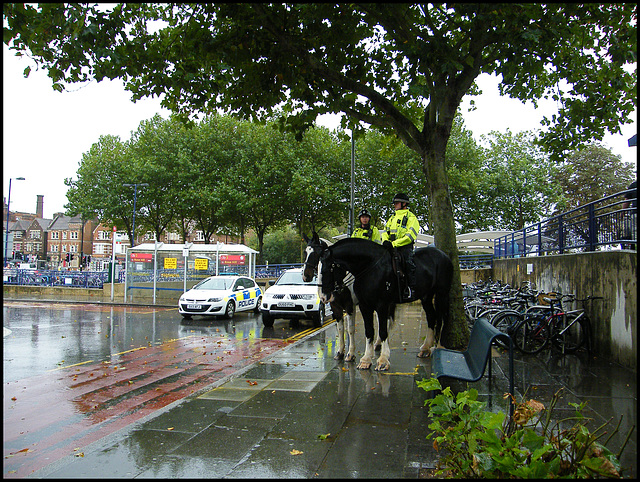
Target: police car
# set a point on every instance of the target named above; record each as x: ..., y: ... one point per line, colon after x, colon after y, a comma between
x: 222, y: 296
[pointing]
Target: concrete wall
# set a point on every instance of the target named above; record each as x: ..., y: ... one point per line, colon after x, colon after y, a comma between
x: 610, y: 274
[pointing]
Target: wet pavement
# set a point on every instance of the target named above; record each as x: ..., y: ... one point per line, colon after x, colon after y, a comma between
x: 294, y: 411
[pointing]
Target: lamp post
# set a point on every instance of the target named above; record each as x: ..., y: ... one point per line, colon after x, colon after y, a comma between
x: 6, y: 239
x: 135, y: 195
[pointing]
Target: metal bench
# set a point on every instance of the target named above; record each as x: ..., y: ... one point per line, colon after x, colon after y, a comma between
x: 469, y: 365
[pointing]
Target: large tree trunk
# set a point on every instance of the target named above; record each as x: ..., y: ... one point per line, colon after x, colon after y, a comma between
x: 455, y: 334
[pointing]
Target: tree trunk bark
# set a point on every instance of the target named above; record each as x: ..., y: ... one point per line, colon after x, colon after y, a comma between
x: 455, y: 334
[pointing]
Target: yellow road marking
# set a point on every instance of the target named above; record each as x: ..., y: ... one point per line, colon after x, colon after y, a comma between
x: 69, y: 366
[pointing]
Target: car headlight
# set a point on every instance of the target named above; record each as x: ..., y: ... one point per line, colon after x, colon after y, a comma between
x: 308, y: 297
x: 214, y: 300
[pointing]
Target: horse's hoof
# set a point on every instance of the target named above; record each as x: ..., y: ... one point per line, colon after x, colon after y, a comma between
x: 339, y: 356
x: 350, y: 358
x: 364, y: 366
x: 424, y: 354
x: 382, y: 367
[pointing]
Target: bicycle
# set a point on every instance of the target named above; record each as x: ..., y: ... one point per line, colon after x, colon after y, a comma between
x: 568, y: 331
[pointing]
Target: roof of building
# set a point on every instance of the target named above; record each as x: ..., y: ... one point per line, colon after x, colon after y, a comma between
x: 62, y: 222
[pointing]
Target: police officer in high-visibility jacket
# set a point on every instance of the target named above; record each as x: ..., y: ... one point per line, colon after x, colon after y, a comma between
x: 402, y: 231
x: 365, y: 230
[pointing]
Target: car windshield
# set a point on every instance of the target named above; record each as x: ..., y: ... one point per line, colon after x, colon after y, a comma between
x: 215, y: 284
x: 293, y: 278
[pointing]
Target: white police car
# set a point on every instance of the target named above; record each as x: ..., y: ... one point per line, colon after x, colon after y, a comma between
x: 222, y: 296
x: 293, y: 299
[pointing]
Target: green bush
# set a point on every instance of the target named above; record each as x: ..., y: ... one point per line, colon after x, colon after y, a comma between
x: 478, y: 443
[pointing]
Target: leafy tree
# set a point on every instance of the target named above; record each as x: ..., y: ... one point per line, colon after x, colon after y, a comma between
x: 98, y: 190
x: 211, y: 159
x: 319, y: 184
x: 156, y: 147
x: 402, y: 68
x: 281, y: 246
x: 518, y: 186
x: 591, y: 173
x: 255, y: 192
x: 465, y: 169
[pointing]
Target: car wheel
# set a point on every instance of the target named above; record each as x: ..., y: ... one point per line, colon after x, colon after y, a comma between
x: 257, y: 308
x: 318, y: 319
x: 230, y: 310
x: 267, y: 320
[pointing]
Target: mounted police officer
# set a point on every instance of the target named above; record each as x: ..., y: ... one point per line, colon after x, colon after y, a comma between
x: 365, y: 230
x: 401, y: 233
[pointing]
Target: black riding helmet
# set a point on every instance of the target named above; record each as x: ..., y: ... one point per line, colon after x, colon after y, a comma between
x: 402, y: 197
x: 364, y: 212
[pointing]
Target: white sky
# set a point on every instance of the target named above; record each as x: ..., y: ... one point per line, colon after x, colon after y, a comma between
x: 45, y: 133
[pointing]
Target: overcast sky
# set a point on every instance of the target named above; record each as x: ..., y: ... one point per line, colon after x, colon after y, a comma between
x: 45, y: 133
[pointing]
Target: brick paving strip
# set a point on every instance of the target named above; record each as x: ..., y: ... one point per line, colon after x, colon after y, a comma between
x: 50, y: 416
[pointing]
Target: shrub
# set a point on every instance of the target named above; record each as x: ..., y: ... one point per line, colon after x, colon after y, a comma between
x: 478, y: 443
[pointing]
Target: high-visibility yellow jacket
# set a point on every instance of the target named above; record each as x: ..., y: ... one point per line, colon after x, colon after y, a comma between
x: 402, y: 228
x: 371, y: 234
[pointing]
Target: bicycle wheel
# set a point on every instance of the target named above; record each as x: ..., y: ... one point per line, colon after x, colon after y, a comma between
x: 530, y: 335
x: 506, y: 321
x: 570, y: 334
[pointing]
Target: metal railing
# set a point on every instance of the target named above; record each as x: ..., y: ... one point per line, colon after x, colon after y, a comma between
x: 70, y: 279
x: 600, y: 225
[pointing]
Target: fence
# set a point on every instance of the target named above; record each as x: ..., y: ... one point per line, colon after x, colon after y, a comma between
x: 600, y: 225
x: 75, y: 279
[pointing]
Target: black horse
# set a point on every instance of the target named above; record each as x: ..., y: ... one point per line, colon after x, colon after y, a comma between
x: 343, y: 305
x: 376, y: 286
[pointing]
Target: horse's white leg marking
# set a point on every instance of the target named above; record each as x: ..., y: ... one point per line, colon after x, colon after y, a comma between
x: 377, y: 325
x: 383, y: 360
x: 340, y: 354
x: 351, y: 329
x: 367, y: 358
x: 427, y: 346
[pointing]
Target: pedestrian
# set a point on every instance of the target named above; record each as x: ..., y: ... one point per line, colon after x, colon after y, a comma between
x: 365, y: 230
x: 401, y: 232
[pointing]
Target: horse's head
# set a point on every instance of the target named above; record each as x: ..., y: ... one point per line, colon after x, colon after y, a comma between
x: 326, y: 277
x: 330, y: 278
x: 315, y: 248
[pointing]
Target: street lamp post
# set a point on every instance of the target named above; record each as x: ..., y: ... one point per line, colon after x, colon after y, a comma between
x: 135, y: 195
x: 6, y: 239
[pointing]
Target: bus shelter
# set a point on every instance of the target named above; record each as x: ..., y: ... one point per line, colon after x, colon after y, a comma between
x: 165, y: 268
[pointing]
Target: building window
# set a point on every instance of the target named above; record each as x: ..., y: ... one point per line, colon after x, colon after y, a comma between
x: 98, y: 248
x: 199, y: 236
x: 104, y: 235
x: 54, y: 248
x: 64, y: 235
x: 73, y: 235
x: 34, y: 234
x: 64, y: 248
x: 55, y: 235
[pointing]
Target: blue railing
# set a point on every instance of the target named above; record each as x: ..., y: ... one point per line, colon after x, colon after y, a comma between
x: 604, y: 224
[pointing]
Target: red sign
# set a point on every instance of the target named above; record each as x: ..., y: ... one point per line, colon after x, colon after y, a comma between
x: 146, y: 257
x: 232, y: 258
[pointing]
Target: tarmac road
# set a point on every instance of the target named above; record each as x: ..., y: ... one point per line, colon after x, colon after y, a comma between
x: 75, y: 373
